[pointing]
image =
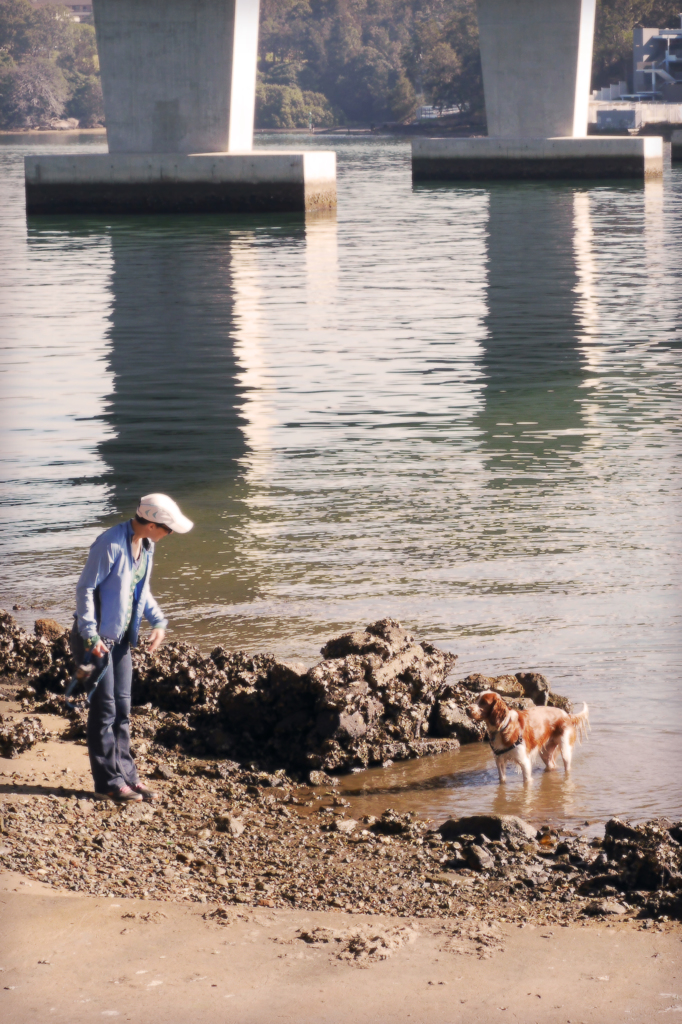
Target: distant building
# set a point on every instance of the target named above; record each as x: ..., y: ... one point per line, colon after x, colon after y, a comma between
x: 79, y: 12
x: 655, y: 94
x: 657, y: 63
x: 425, y: 113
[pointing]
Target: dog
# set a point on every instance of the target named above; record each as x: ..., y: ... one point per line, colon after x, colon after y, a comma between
x: 519, y: 735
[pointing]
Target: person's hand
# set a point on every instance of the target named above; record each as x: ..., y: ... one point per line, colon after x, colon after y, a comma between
x: 155, y: 639
x: 100, y: 649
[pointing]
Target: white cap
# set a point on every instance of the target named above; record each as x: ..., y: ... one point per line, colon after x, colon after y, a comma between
x: 159, y: 508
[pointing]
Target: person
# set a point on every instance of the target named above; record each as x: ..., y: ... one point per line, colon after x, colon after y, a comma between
x: 112, y: 596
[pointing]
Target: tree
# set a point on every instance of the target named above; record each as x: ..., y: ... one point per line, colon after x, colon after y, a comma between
x: 48, y: 64
x: 286, y: 106
x: 16, y: 23
x: 87, y: 103
x: 371, y: 58
x: 402, y: 99
x: 34, y: 92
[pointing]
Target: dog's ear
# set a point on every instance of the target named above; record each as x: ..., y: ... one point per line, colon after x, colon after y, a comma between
x: 498, y: 710
x: 486, y: 703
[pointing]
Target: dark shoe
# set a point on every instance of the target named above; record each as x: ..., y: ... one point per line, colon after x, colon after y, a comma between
x: 145, y: 792
x: 124, y: 794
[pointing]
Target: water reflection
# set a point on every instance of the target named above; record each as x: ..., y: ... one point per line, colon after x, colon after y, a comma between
x: 54, y: 376
x: 173, y: 411
x: 532, y: 362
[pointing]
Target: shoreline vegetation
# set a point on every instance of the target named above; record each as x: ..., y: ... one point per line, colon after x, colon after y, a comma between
x: 321, y: 64
x: 254, y: 818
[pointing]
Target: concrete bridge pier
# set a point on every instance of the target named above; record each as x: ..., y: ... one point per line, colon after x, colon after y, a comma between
x: 536, y: 57
x: 179, y: 82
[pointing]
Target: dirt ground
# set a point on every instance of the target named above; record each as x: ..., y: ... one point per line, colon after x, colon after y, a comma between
x: 74, y: 958
x: 69, y: 957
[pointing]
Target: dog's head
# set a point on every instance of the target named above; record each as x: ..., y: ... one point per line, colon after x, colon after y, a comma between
x: 489, y: 709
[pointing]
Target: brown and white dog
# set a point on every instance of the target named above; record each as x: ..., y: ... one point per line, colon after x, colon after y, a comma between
x: 518, y: 735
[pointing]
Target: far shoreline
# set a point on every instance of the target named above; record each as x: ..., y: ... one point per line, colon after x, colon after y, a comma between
x: 52, y: 131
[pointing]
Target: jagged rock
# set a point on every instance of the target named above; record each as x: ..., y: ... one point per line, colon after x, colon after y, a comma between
x: 391, y: 823
x: 48, y: 628
x: 176, y: 678
x: 647, y: 856
x: 16, y: 737
x: 520, y: 703
x: 450, y: 719
x: 229, y: 823
x: 47, y: 662
x: 380, y: 686
x: 605, y: 908
x: 479, y: 859
x: 506, y: 686
x: 379, y: 695
x: 555, y: 700
x: 477, y: 683
x: 492, y: 826
x: 321, y: 779
x: 534, y: 686
x: 345, y: 825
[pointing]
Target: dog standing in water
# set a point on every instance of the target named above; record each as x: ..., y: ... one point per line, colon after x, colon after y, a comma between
x: 518, y: 735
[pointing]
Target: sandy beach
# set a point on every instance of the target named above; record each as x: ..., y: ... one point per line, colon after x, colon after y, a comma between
x: 74, y: 957
x: 70, y: 958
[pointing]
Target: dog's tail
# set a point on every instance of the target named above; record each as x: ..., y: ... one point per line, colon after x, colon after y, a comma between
x: 580, y: 722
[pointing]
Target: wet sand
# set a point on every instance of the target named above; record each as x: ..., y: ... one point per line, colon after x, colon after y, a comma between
x: 74, y: 958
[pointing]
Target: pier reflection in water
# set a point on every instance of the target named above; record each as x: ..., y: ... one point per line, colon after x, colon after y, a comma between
x: 453, y: 405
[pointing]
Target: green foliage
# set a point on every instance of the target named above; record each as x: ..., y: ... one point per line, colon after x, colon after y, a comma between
x: 374, y: 60
x: 286, y: 106
x: 613, y: 34
x: 48, y: 66
x: 16, y: 23
x: 86, y: 102
x: 33, y: 92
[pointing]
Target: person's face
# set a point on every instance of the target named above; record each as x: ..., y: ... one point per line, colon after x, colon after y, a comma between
x: 156, y: 532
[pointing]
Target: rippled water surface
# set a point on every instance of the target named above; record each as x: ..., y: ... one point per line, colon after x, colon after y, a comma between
x: 456, y: 406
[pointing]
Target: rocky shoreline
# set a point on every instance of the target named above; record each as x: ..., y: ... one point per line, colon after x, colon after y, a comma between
x: 378, y: 695
x: 228, y: 835
x: 266, y: 825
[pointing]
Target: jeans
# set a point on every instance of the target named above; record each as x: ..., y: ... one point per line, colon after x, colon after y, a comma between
x: 109, y: 724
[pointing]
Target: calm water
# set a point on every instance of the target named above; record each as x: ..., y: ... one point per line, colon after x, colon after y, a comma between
x: 456, y: 406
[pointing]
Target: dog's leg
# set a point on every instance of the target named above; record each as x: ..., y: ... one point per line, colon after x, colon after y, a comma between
x: 548, y: 755
x: 526, y: 767
x: 567, y: 741
x: 501, y: 769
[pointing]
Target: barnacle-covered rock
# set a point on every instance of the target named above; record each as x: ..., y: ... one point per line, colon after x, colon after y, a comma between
x: 44, y: 657
x: 176, y: 677
x: 18, y: 736
x: 379, y: 695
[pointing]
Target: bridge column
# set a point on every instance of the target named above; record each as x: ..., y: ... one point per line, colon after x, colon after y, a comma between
x: 178, y: 76
x: 179, y: 83
x: 536, y: 57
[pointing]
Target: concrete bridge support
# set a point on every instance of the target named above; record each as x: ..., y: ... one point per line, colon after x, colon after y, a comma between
x: 676, y: 145
x: 536, y: 57
x: 179, y: 83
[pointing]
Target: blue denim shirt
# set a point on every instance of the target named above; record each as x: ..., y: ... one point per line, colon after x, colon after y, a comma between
x: 109, y: 571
